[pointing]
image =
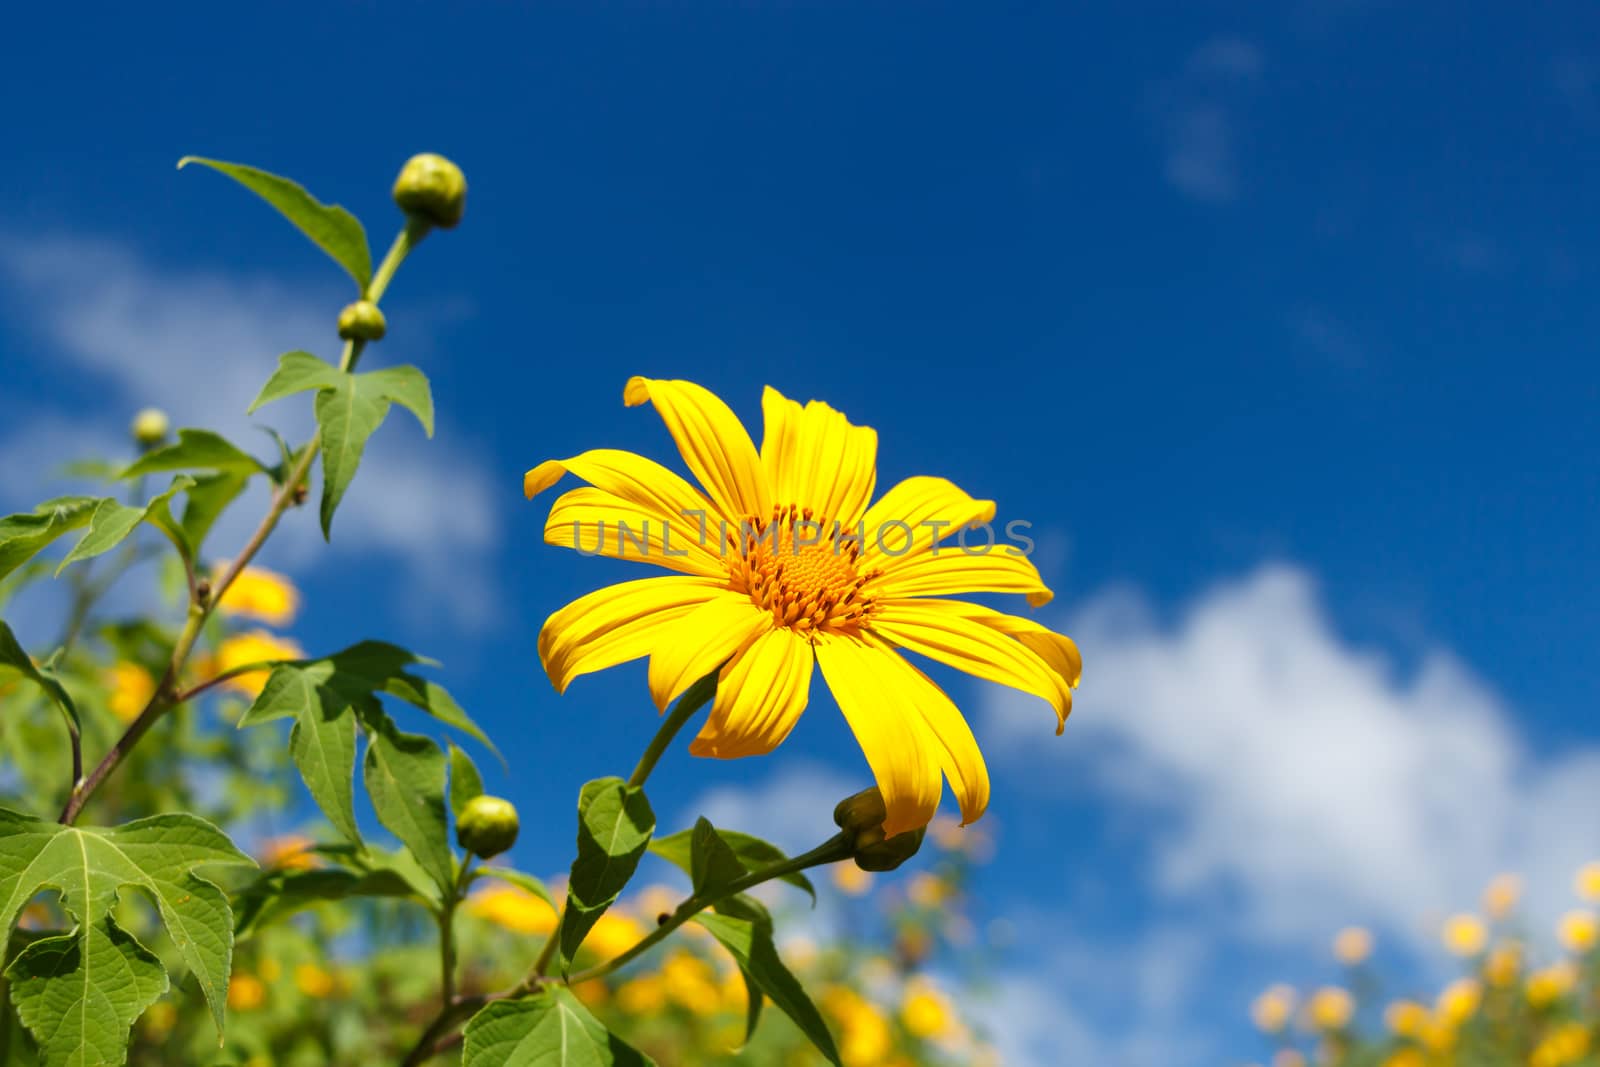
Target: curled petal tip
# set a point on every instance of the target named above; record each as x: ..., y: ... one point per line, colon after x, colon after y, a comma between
x: 636, y: 392
x: 1040, y: 599
x: 542, y: 477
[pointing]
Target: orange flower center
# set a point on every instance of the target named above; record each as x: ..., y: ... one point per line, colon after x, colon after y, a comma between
x: 801, y: 569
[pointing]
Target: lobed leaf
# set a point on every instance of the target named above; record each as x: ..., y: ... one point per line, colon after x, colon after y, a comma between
x: 111, y: 523
x: 350, y: 410
x: 296, y: 373
x: 550, y: 1030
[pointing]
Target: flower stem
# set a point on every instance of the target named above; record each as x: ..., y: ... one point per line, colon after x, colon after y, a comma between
x: 691, y: 701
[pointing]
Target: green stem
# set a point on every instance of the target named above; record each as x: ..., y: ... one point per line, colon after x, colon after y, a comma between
x: 691, y: 702
x: 409, y: 237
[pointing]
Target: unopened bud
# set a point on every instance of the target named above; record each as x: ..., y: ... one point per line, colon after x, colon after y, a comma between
x: 860, y: 817
x: 861, y: 811
x: 362, y: 321
x: 487, y: 826
x: 150, y: 427
x: 432, y: 187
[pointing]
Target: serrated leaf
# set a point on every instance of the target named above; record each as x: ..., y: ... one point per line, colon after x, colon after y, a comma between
x: 322, y: 741
x: 614, y: 827
x: 16, y: 663
x: 297, y: 372
x: 112, y: 522
x: 98, y: 964
x: 525, y: 882
x: 330, y: 227
x: 750, y: 943
x: 752, y: 852
x: 406, y: 386
x: 550, y: 1030
x: 405, y: 777
x: 195, y: 450
x: 22, y: 535
x: 465, y: 781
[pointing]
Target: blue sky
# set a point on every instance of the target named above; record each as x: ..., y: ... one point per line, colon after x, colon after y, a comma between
x: 1276, y: 322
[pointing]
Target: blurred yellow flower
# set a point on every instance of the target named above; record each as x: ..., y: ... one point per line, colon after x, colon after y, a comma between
x: 289, y: 852
x: 925, y: 1012
x: 1503, y: 965
x: 1406, y: 1018
x: 515, y: 909
x: 1352, y: 945
x: 851, y: 880
x: 1271, y: 1010
x: 925, y: 890
x: 1406, y: 1057
x: 1586, y: 883
x: 131, y: 687
x: 1565, y: 1044
x: 865, y: 1037
x: 1330, y: 1008
x: 1549, y: 984
x: 313, y: 981
x: 690, y: 981
x: 1501, y: 896
x: 809, y: 576
x: 258, y: 593
x: 613, y: 934
x: 158, y: 1021
x: 1465, y: 935
x: 644, y: 995
x: 245, y: 992
x: 253, y: 647
x: 1578, y: 931
x: 657, y: 899
x: 271, y: 970
x: 1458, y: 1001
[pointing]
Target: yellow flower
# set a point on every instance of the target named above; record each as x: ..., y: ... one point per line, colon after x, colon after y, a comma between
x: 1406, y: 1057
x: 258, y: 593
x: 254, y: 647
x: 1565, y: 1044
x: 1587, y: 882
x: 926, y: 890
x: 783, y: 564
x: 313, y: 981
x: 865, y: 1038
x: 1501, y: 895
x: 925, y: 1012
x: 245, y: 992
x: 852, y: 880
x: 1406, y: 1018
x: 1330, y: 1008
x: 644, y: 995
x: 690, y: 981
x: 1465, y: 935
x: 1271, y: 1010
x: 1550, y: 984
x: 1578, y: 931
x: 613, y: 934
x: 1503, y: 964
x: 1458, y: 1002
x: 1352, y: 945
x: 158, y: 1022
x: 131, y: 688
x: 515, y: 909
x: 289, y: 852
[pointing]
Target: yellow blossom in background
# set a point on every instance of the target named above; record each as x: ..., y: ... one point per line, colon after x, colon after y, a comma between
x: 159, y: 1020
x: 690, y: 981
x: 851, y: 880
x: 644, y: 995
x: 245, y: 992
x: 1503, y: 965
x: 657, y: 899
x: 1458, y: 1002
x: 1352, y: 945
x: 1406, y: 1057
x: 925, y: 1012
x: 1465, y: 935
x: 289, y: 852
x: 258, y: 593
x: 131, y: 687
x: 1586, y: 883
x: 253, y: 647
x: 1565, y: 1044
x: 1330, y: 1008
x: 1271, y: 1010
x: 926, y: 890
x: 613, y: 934
x: 1501, y: 896
x: 1578, y: 931
x: 271, y: 970
x: 1406, y: 1018
x: 515, y: 909
x: 1550, y: 984
x: 808, y: 576
x: 313, y: 981
x: 865, y: 1037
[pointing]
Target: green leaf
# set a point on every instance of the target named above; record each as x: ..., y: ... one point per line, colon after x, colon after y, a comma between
x: 550, y: 1030
x: 465, y: 781
x: 752, y: 852
x: 80, y: 993
x: 206, y: 500
x: 405, y: 776
x: 322, y: 741
x: 276, y: 895
x: 379, y: 667
x: 614, y: 827
x: 24, y: 534
x: 348, y: 412
x: 195, y: 450
x: 112, y: 522
x: 526, y: 882
x: 15, y: 662
x: 297, y: 372
x: 750, y: 943
x: 330, y: 227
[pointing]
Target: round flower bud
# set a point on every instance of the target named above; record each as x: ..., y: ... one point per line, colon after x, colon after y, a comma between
x: 432, y: 187
x: 874, y: 852
x: 487, y: 826
x: 150, y: 427
x: 861, y: 812
x: 362, y: 321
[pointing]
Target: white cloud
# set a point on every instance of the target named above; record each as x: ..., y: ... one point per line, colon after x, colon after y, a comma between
x: 1199, y: 118
x: 200, y: 345
x: 1305, y: 777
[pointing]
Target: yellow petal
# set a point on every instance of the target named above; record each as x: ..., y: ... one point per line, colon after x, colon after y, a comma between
x: 617, y: 624
x: 816, y: 458
x: 943, y: 630
x: 891, y: 733
x: 760, y: 696
x: 596, y: 522
x: 956, y: 570
x: 713, y: 443
x: 897, y: 521
x: 640, y: 481
x: 1058, y: 650
x: 698, y: 643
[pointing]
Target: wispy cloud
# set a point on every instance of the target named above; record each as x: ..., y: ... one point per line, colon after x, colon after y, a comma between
x: 1198, y: 117
x: 199, y: 346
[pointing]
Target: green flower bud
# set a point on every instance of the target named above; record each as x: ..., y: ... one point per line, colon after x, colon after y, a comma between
x: 362, y: 321
x: 432, y: 187
x: 861, y: 812
x: 150, y: 427
x: 487, y: 826
x: 874, y: 852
